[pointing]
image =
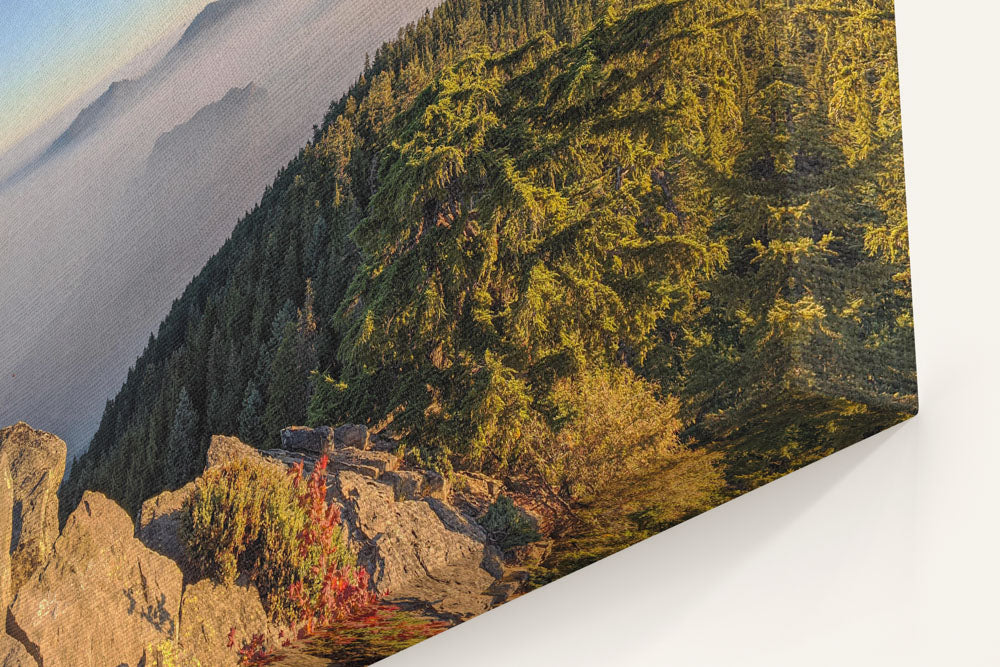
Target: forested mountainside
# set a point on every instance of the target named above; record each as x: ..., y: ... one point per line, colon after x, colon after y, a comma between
x: 689, y: 214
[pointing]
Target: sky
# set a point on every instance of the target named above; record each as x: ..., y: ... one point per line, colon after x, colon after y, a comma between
x: 53, y: 51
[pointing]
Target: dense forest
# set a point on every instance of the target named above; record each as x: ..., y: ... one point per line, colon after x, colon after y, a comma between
x: 633, y: 250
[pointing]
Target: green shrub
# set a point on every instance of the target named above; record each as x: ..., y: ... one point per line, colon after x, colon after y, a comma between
x: 508, y: 525
x: 608, y: 427
x: 247, y: 518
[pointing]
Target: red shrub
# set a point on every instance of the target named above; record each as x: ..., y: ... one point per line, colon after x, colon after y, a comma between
x: 334, y: 591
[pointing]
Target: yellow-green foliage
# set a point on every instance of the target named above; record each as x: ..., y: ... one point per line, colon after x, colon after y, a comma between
x: 517, y: 195
x: 614, y: 454
x: 245, y: 518
x: 167, y: 653
x: 609, y: 429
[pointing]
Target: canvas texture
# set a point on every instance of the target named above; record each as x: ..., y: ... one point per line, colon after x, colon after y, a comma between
x: 337, y: 324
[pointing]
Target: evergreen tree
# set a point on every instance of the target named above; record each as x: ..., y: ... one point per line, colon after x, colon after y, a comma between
x: 251, y: 420
x: 182, y: 436
x: 520, y: 195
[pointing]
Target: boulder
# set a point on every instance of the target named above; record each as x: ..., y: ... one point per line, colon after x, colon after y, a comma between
x: 225, y: 448
x: 37, y: 461
x: 101, y: 597
x: 303, y: 439
x: 160, y: 521
x: 368, y: 463
x: 351, y: 435
x: 13, y: 653
x: 210, y: 611
x: 479, y: 484
x: 474, y: 492
x: 418, y: 551
x: 6, y: 528
x: 382, y: 443
x: 418, y: 484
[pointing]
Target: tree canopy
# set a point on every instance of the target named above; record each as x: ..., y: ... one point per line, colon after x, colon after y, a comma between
x: 691, y: 209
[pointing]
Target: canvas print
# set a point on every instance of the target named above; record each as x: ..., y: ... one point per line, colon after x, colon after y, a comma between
x: 326, y: 325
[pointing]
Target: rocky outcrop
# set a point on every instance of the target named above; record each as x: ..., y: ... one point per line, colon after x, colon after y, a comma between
x: 160, y: 518
x: 369, y: 463
x: 324, y: 439
x: 418, y: 484
x: 101, y: 597
x: 418, y: 551
x: 405, y: 530
x: 13, y: 653
x: 210, y: 612
x: 6, y: 528
x: 351, y: 435
x: 473, y: 493
x: 303, y: 439
x: 37, y: 461
x: 159, y: 527
x: 225, y: 448
x: 136, y: 581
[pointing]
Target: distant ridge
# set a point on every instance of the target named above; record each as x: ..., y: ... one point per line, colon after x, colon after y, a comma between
x: 211, y: 15
x: 123, y: 94
x: 189, y: 138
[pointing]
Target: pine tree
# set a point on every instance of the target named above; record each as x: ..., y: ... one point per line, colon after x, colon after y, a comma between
x: 251, y: 420
x: 290, y: 387
x: 181, y: 441
x: 519, y: 194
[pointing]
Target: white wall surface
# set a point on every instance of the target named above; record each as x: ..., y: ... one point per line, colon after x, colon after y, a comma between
x: 887, y: 553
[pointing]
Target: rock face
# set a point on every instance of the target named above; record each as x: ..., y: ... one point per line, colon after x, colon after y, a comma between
x: 209, y: 611
x: 101, y: 597
x: 160, y: 524
x: 370, y: 464
x: 351, y: 435
x: 418, y: 551
x: 224, y: 448
x: 302, y: 439
x: 324, y: 439
x: 13, y: 653
x: 474, y: 492
x: 418, y: 484
x: 6, y: 528
x: 107, y: 592
x: 37, y: 461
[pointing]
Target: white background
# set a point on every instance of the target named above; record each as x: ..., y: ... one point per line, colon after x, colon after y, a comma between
x: 887, y: 553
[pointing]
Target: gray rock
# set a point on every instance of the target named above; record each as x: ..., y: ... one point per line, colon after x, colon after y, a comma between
x: 303, y: 439
x: 351, y: 435
x: 473, y: 492
x: 101, y: 597
x: 417, y: 551
x: 479, y: 484
x: 37, y: 462
x: 418, y: 484
x: 369, y: 463
x: 382, y: 443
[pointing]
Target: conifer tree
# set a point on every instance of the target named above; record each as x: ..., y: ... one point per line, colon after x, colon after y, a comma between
x: 251, y: 420
x: 181, y: 440
x: 516, y: 196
